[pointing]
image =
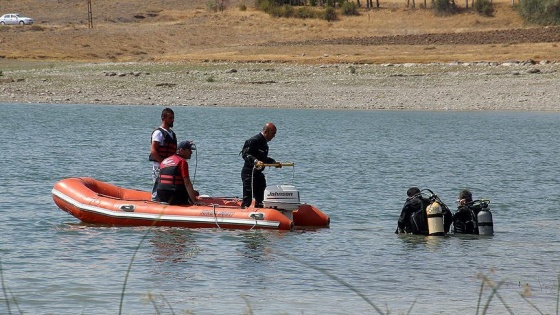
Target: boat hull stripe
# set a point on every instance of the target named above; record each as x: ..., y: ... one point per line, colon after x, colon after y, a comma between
x: 162, y: 217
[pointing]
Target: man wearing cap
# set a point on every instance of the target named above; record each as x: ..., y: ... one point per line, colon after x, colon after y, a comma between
x: 255, y: 154
x: 174, y: 186
x: 163, y: 145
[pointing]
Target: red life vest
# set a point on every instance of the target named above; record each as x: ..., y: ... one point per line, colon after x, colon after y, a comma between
x: 170, y: 175
x: 169, y: 146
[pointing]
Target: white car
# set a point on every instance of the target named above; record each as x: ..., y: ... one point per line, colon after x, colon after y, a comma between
x: 15, y: 18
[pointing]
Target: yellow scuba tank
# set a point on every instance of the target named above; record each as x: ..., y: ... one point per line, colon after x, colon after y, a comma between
x: 435, y: 219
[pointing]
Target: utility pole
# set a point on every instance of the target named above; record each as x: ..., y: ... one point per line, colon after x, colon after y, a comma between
x: 90, y: 15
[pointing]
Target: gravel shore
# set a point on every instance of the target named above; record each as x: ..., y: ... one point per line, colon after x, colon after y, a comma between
x: 508, y: 86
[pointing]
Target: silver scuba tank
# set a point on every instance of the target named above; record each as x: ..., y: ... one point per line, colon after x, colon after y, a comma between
x: 484, y: 218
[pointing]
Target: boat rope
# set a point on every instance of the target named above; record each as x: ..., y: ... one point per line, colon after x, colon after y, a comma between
x: 252, y: 177
x: 254, y: 224
x: 195, y: 166
x: 215, y: 216
x: 293, y: 173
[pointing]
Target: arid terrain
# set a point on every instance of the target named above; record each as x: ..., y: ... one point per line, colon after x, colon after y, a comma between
x: 178, y: 52
x: 179, y: 30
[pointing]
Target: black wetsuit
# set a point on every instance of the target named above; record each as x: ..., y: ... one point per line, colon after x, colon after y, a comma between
x: 413, y: 216
x: 255, y: 148
x: 465, y: 220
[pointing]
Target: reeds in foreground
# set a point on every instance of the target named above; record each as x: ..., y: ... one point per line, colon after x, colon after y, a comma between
x: 486, y: 282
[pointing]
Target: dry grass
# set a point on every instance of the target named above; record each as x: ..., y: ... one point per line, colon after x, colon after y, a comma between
x: 179, y: 30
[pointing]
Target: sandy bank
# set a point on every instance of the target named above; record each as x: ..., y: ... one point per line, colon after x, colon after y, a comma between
x: 440, y: 86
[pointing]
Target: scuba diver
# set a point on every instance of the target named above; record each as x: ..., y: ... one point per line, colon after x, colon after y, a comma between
x: 423, y: 215
x: 472, y: 217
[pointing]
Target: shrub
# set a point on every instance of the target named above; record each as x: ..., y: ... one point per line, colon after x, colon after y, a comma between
x: 484, y: 7
x: 286, y: 11
x: 544, y: 12
x: 305, y: 13
x: 242, y: 7
x: 274, y: 9
x: 283, y: 11
x: 211, y: 6
x: 262, y: 5
x: 216, y: 5
x: 330, y: 14
x: 349, y: 8
x: 444, y: 7
x: 270, y: 7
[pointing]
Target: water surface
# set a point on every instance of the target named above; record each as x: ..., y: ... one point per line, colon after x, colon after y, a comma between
x: 354, y: 165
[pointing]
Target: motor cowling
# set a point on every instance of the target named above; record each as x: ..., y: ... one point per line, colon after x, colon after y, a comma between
x: 435, y: 219
x: 484, y: 218
x: 284, y: 198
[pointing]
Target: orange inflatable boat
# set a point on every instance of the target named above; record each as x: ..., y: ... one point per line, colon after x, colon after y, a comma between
x: 93, y: 201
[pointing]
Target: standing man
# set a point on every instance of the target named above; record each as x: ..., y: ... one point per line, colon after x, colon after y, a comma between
x: 163, y: 145
x: 174, y: 185
x: 255, y: 154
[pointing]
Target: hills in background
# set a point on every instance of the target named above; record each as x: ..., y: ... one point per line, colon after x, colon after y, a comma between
x: 180, y: 30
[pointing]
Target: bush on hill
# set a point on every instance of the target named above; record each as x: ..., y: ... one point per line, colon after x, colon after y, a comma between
x: 349, y: 8
x: 273, y: 8
x: 544, y: 12
x: 484, y: 7
x: 444, y: 7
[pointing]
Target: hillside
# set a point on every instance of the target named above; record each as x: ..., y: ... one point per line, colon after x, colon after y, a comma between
x: 179, y: 30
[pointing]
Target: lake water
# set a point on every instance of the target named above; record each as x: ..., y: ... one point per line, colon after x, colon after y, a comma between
x: 354, y: 165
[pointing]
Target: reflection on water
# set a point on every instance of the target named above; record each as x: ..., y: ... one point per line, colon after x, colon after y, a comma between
x: 256, y: 244
x: 421, y: 242
x: 173, y: 245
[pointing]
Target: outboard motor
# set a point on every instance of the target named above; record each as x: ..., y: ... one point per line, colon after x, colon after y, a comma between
x: 484, y: 218
x: 435, y: 219
x: 284, y: 198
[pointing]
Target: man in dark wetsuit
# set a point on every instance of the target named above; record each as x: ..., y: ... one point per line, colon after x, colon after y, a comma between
x: 414, y: 204
x: 465, y: 218
x: 255, y: 154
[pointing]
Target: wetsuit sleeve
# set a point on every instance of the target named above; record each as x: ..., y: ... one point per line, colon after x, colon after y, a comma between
x: 256, y: 148
x: 246, y: 152
x: 403, y: 218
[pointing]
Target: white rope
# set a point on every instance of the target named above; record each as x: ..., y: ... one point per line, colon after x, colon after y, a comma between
x: 255, y: 217
x: 195, y: 166
x: 215, y: 216
x: 252, y: 178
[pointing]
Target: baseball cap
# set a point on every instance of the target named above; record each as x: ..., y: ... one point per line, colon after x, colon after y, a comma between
x: 186, y: 145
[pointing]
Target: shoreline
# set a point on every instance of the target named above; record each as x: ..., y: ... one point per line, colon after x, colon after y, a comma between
x: 456, y: 86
